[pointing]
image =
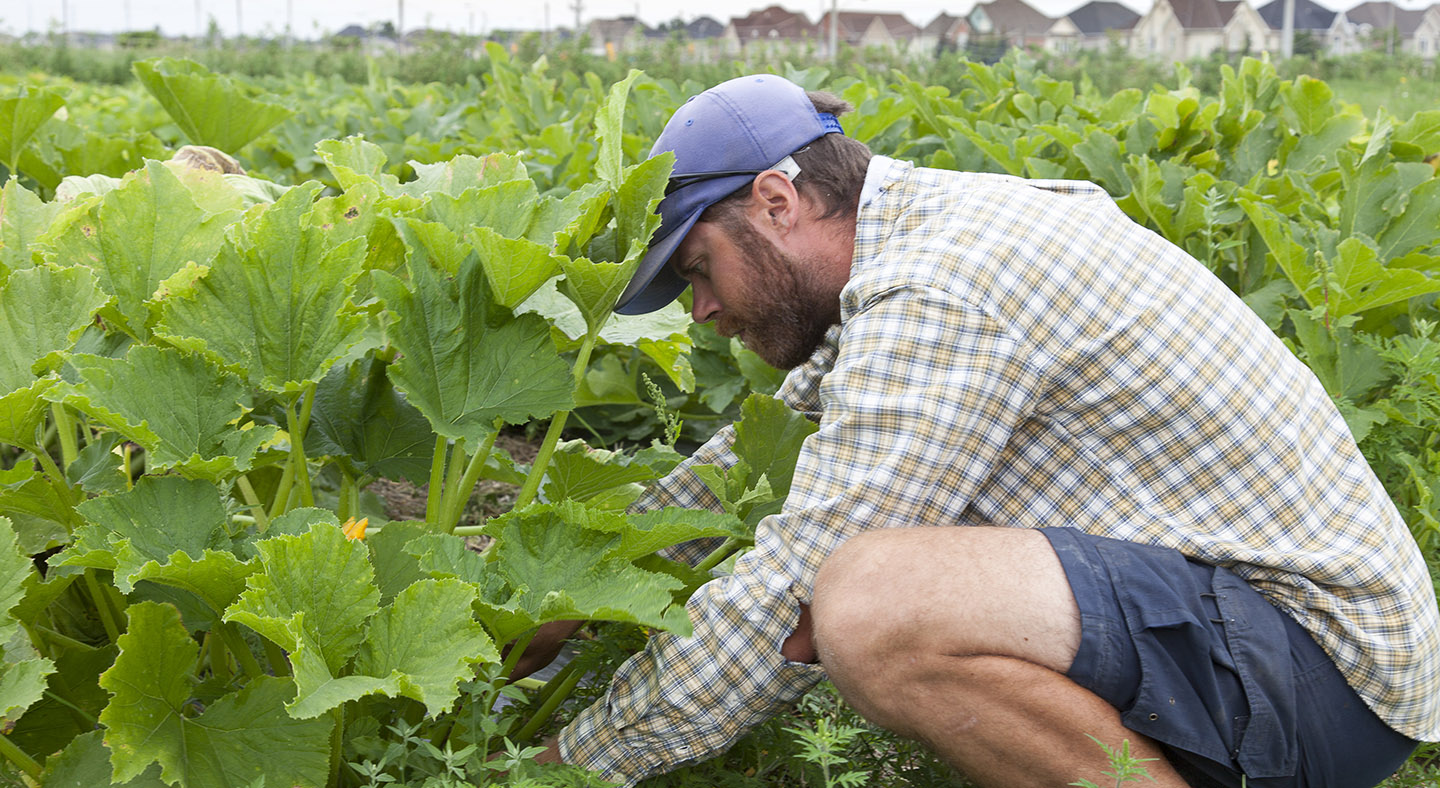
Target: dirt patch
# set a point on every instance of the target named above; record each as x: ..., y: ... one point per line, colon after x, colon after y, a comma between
x: 406, y: 501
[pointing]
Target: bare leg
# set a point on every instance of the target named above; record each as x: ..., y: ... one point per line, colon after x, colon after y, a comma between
x: 960, y: 638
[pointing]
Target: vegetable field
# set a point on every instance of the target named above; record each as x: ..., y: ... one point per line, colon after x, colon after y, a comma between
x: 202, y: 371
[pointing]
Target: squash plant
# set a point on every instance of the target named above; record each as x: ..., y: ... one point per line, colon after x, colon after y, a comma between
x: 199, y: 382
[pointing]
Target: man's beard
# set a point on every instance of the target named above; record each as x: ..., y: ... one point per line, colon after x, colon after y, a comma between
x: 784, y: 310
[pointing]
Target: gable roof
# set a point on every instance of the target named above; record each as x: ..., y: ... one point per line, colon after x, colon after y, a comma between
x: 1308, y: 15
x: 616, y: 29
x: 1098, y: 16
x: 773, y: 22
x: 1015, y: 16
x: 1377, y: 14
x: 853, y: 24
x: 1204, y: 14
x: 704, y: 27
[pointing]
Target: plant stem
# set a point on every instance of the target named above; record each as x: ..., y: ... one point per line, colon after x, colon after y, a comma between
x: 281, y: 503
x: 86, y: 717
x: 297, y: 426
x: 18, y: 757
x: 57, y: 639
x: 279, y: 665
x: 262, y: 522
x: 65, y: 428
x: 717, y: 555
x: 437, y: 485
x: 343, y: 509
x: 461, y: 495
x: 219, y: 658
x: 125, y: 449
x: 240, y: 649
x: 454, y: 471
x: 557, y: 425
x: 337, y: 740
x: 562, y: 692
x: 102, y: 605
x: 517, y: 650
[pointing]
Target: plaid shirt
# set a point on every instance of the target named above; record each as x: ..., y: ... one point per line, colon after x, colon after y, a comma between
x: 1020, y: 353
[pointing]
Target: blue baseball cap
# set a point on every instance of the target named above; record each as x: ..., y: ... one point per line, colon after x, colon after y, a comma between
x: 721, y: 139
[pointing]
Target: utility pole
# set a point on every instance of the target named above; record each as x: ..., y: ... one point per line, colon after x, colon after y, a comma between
x: 400, y: 28
x: 834, y: 30
x: 199, y: 23
x: 289, y: 23
x: 1390, y: 30
x: 577, y: 5
x: 239, y: 26
x: 1287, y: 31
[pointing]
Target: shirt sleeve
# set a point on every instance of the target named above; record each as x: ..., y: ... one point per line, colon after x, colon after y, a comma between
x: 921, y: 398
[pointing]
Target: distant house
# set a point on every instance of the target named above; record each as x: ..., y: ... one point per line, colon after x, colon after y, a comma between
x: 1013, y: 23
x: 769, y: 29
x: 1102, y: 23
x: 944, y: 33
x: 1310, y: 17
x: 703, y: 28
x: 863, y: 30
x: 1187, y: 29
x: 1376, y: 25
x: 371, y: 42
x: 1427, y: 34
x: 610, y: 37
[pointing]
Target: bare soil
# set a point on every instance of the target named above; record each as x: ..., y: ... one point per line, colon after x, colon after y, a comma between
x: 406, y: 501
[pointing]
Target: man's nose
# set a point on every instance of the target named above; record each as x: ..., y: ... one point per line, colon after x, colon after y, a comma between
x: 704, y: 306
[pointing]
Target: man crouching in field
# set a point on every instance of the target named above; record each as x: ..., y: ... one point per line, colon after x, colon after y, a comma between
x: 1065, y: 485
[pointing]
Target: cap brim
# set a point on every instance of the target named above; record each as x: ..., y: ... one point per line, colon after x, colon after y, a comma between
x: 655, y: 283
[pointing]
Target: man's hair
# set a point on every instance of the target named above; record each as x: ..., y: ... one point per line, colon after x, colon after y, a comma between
x: 832, y: 171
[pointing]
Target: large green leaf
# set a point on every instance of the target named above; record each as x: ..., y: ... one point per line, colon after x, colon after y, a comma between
x: 145, y: 232
x: 359, y: 415
x: 284, y: 296
x: 208, y: 108
x: 85, y: 763
x: 354, y: 161
x: 22, y: 681
x: 163, y: 519
x: 319, y: 576
x: 649, y: 532
x: 1416, y: 224
x: 23, y: 217
x: 768, y: 438
x: 238, y: 739
x: 20, y: 117
x: 22, y: 411
x: 42, y: 311
x: 460, y: 369
x: 462, y: 173
x: 1357, y: 281
x: 609, y: 129
x: 40, y: 508
x: 514, y: 267
x: 559, y: 569
x: 421, y: 646
x: 507, y: 208
x: 176, y: 405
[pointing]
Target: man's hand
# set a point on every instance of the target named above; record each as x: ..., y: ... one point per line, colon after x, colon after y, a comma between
x: 543, y: 647
x: 800, y: 646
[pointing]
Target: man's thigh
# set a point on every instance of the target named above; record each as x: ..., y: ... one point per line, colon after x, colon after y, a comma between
x: 958, y: 591
x: 1196, y: 659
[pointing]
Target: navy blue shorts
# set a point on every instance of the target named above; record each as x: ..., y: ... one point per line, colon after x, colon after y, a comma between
x: 1196, y: 659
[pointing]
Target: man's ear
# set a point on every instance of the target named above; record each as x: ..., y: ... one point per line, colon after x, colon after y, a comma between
x: 775, y: 200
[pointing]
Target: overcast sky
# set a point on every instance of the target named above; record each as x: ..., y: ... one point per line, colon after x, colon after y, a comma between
x: 312, y: 18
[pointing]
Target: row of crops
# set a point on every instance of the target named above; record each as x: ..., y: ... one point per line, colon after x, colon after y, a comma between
x: 201, y: 373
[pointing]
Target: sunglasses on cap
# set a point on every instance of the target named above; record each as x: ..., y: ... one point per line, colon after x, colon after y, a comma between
x: 785, y: 166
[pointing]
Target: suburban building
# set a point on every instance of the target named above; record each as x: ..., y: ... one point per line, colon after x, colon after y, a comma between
x: 1103, y: 24
x: 864, y: 30
x: 1376, y: 25
x: 610, y: 37
x: 1310, y: 18
x: 1187, y: 29
x: 1014, y: 23
x: 1427, y: 34
x: 769, y: 29
x: 944, y: 33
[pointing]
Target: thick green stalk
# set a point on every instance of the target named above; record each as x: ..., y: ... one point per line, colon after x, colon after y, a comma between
x: 297, y: 426
x: 562, y: 691
x: 279, y: 665
x: 247, y: 492
x: 517, y: 650
x: 236, y: 643
x: 454, y: 472
x: 18, y: 757
x: 65, y: 428
x: 281, y: 504
x: 437, y: 485
x: 219, y: 656
x: 717, y: 555
x: 337, y: 742
x: 102, y: 605
x: 461, y: 495
x: 347, y: 484
x: 557, y: 426
x: 54, y: 638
